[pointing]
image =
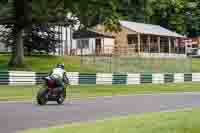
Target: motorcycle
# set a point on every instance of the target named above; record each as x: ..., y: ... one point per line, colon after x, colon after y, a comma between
x: 50, y: 92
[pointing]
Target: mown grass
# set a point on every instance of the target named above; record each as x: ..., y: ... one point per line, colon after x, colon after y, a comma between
x: 4, y: 62
x: 168, y: 122
x: 195, y: 65
x: 137, y: 64
x: 44, y: 63
x: 84, y: 91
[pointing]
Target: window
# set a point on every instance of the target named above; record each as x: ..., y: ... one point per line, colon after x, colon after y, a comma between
x: 130, y: 40
x: 83, y: 44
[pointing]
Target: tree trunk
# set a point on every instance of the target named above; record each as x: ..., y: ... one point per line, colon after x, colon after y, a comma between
x: 22, y: 14
x: 17, y: 58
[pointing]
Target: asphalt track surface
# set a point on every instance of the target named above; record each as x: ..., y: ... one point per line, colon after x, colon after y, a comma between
x: 15, y: 117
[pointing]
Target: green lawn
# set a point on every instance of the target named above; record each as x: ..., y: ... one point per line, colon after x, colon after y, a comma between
x: 195, y: 65
x: 26, y: 93
x: 168, y: 122
x: 45, y: 63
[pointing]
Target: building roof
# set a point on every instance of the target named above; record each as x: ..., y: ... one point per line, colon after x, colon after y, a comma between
x: 149, y: 29
x: 90, y: 34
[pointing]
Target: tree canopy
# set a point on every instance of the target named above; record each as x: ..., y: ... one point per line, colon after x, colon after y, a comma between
x: 179, y: 15
x: 182, y: 16
x: 23, y: 14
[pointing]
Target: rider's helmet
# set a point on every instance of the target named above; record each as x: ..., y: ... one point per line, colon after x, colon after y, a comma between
x: 62, y: 66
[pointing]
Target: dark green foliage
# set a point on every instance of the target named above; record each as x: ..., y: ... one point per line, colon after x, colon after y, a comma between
x: 182, y: 16
x: 39, y: 38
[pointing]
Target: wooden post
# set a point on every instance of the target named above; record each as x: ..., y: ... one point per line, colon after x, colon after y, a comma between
x: 54, y: 29
x: 70, y: 47
x: 175, y: 45
x: 159, y: 49
x: 62, y: 45
x: 198, y: 39
x: 66, y: 41
x: 139, y: 43
x: 149, y: 43
x: 103, y: 52
x: 169, y: 41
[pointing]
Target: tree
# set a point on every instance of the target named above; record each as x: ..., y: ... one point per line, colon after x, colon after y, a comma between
x: 22, y: 17
x: 136, y: 10
x: 182, y: 16
x: 40, y: 38
x: 192, y: 17
x: 93, y: 12
x: 25, y: 13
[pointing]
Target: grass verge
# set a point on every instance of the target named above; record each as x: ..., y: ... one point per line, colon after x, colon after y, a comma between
x: 168, y: 122
x: 27, y: 92
x: 44, y: 63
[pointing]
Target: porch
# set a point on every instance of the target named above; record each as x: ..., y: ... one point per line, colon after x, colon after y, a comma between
x: 141, y: 43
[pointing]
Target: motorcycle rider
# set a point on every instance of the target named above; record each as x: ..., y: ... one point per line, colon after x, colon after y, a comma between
x: 59, y: 75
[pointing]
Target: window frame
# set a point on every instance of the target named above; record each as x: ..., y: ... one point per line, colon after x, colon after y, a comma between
x: 83, y: 44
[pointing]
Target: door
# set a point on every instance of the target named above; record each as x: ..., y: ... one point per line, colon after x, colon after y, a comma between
x: 98, y: 46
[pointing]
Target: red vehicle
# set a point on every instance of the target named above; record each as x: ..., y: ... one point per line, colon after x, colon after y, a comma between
x: 50, y: 92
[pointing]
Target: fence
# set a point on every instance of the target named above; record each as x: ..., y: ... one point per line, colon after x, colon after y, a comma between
x: 125, y: 50
x: 75, y: 78
x: 137, y: 64
x: 126, y: 59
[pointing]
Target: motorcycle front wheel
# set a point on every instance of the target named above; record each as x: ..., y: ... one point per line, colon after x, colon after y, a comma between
x: 41, y: 97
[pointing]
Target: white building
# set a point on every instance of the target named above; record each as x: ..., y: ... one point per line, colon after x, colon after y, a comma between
x: 89, y: 42
x: 66, y: 40
x: 3, y: 47
x: 63, y: 47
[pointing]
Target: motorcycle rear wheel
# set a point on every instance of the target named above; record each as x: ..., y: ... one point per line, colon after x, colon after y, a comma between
x: 62, y: 97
